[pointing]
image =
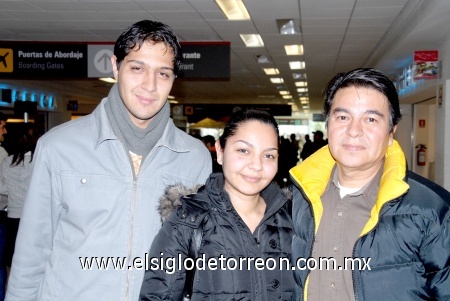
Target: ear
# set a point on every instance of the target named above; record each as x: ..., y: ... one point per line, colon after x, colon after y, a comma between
x: 114, y: 66
x: 219, y: 152
x: 391, y: 135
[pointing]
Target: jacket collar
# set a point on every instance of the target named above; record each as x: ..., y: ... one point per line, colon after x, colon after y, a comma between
x: 272, y: 194
x: 312, y: 177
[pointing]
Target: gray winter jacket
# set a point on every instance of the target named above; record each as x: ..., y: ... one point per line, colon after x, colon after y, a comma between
x: 225, y: 236
x: 84, y: 208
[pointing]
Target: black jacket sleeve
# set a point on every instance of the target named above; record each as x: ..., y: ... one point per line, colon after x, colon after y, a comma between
x: 165, y: 275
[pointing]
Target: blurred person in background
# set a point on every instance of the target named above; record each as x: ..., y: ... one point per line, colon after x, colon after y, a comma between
x: 210, y: 143
x: 307, y: 148
x: 15, y: 172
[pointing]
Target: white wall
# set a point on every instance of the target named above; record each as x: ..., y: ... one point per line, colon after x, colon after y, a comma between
x: 404, y: 132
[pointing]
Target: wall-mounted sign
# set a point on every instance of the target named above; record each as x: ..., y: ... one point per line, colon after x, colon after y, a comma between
x: 426, y: 64
x: 205, y: 60
x: 44, y: 60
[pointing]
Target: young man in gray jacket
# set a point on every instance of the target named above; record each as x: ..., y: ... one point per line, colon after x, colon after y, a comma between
x: 90, y: 214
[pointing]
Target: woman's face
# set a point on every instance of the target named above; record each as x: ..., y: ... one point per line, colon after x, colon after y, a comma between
x: 249, y: 159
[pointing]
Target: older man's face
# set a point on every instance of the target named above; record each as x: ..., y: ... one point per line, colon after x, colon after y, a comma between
x: 358, y: 128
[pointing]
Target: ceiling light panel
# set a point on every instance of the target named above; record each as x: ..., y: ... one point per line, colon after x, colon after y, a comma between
x: 297, y: 65
x: 277, y: 80
x: 108, y: 80
x: 233, y: 9
x: 252, y: 40
x: 293, y: 49
x: 301, y: 84
x: 271, y: 71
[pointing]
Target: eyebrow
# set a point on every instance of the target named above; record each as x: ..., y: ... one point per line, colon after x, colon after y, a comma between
x: 251, y: 145
x: 369, y: 112
x: 142, y: 63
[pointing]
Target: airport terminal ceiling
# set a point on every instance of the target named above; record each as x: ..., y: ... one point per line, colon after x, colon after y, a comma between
x: 336, y: 35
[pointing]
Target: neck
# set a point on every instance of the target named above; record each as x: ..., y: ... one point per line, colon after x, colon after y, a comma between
x: 251, y: 209
x: 353, y: 178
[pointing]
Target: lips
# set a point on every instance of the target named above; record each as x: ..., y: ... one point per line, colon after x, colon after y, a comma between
x: 251, y: 179
x: 353, y: 147
x: 146, y: 100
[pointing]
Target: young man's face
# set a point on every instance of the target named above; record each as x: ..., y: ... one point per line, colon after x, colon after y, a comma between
x: 358, y: 128
x: 2, y: 130
x: 145, y: 79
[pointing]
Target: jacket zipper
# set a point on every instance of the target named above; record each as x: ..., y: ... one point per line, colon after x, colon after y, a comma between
x: 133, y: 204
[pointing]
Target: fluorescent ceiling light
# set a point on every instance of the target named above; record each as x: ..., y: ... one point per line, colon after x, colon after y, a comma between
x: 173, y: 101
x: 302, y: 90
x: 288, y: 26
x: 304, y: 102
x: 277, y: 80
x: 306, y: 111
x: 284, y: 92
x: 233, y: 9
x: 262, y: 59
x: 293, y: 49
x: 252, y: 40
x: 303, y: 98
x: 108, y: 80
x: 287, y: 97
x: 271, y: 71
x: 301, y: 84
x: 297, y: 65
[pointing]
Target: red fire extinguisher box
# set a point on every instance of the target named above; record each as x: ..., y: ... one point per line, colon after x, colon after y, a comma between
x: 421, y: 154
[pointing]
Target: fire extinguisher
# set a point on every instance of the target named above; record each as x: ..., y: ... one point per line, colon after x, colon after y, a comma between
x: 421, y: 154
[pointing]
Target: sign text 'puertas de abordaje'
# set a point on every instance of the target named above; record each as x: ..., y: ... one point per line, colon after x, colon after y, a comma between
x: 29, y: 60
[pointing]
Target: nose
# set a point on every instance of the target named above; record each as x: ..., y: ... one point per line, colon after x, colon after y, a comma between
x: 354, y: 128
x: 256, y: 163
x: 149, y: 81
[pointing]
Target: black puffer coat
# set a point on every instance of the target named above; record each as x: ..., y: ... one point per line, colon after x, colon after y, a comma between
x: 224, y: 235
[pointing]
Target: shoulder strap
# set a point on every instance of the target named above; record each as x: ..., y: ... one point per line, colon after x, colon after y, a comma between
x: 194, y: 247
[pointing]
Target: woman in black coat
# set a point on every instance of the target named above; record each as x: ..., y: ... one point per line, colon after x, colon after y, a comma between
x: 243, y: 219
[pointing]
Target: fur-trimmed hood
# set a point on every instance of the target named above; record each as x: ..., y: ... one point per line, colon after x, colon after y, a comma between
x: 171, y: 199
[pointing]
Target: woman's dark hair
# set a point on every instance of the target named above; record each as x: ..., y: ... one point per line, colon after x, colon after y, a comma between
x: 24, y: 141
x: 147, y: 30
x: 243, y: 116
x: 367, y: 78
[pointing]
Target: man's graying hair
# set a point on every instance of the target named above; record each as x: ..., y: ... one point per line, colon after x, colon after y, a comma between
x: 367, y: 78
x: 147, y: 30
